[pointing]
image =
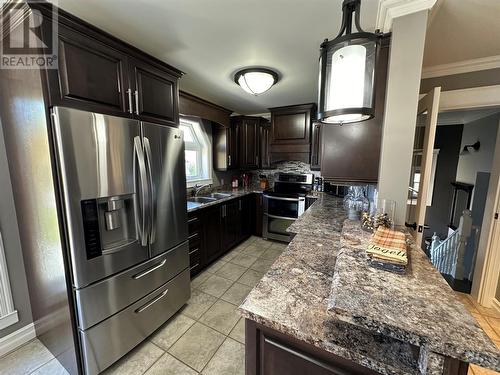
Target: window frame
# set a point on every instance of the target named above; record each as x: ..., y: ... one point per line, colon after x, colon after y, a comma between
x: 202, y: 145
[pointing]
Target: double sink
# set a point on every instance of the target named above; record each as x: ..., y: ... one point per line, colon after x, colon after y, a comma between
x: 200, y: 201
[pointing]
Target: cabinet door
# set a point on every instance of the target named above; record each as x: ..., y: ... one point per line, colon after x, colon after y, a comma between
x: 249, y: 147
x: 211, y: 233
x: 91, y: 75
x: 155, y: 94
x: 232, y: 156
x: 231, y: 225
x: 264, y: 138
x: 316, y: 147
x: 247, y: 213
x: 291, y: 125
x: 258, y: 203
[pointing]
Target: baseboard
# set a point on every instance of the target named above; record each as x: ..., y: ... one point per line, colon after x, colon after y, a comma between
x: 496, y: 304
x: 17, y: 338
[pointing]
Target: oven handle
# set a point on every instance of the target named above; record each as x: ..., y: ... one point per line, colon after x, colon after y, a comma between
x: 281, y: 217
x: 285, y: 199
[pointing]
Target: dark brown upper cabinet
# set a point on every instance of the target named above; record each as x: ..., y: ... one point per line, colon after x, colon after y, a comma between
x: 351, y: 153
x: 155, y: 93
x: 248, y: 140
x: 91, y: 74
x: 291, y: 132
x: 225, y: 147
x: 316, y: 147
x: 100, y: 73
x: 265, y: 139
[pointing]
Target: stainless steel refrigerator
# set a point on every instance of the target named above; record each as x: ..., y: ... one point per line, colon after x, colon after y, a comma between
x: 123, y: 197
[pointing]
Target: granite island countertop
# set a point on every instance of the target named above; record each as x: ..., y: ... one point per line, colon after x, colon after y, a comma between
x: 418, y: 307
x: 293, y: 298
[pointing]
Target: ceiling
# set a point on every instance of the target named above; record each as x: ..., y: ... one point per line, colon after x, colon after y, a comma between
x: 462, y: 30
x: 209, y: 40
x: 465, y: 116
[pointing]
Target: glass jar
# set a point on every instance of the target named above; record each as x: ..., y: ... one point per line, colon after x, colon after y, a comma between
x: 356, y: 202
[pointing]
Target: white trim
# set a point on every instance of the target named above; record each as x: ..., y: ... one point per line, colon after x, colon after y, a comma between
x: 16, y: 339
x: 485, y: 279
x: 9, y: 319
x: 476, y: 97
x: 6, y: 303
x: 496, y: 304
x: 390, y: 9
x: 480, y: 115
x: 466, y: 66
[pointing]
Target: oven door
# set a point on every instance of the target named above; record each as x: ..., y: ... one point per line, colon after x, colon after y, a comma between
x: 279, y: 214
x: 274, y: 227
x: 285, y: 207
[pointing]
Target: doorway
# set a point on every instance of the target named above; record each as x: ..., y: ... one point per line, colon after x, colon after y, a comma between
x: 457, y: 214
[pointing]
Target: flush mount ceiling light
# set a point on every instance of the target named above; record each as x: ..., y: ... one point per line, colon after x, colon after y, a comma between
x: 256, y: 81
x: 347, y: 71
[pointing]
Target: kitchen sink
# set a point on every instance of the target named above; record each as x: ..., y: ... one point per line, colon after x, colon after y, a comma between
x: 220, y: 195
x: 202, y: 199
x: 199, y: 201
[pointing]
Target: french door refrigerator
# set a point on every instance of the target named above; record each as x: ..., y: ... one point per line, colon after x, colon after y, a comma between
x: 123, y: 197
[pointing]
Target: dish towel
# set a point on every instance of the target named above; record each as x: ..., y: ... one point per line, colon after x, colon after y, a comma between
x: 387, y: 250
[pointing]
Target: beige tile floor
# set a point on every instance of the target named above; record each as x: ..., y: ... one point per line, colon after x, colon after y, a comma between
x: 489, y: 320
x: 206, y: 337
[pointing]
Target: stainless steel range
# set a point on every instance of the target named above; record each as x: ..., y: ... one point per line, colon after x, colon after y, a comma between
x: 123, y: 195
x: 284, y: 204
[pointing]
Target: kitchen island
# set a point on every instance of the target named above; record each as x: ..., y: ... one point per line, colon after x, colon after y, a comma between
x: 295, y: 323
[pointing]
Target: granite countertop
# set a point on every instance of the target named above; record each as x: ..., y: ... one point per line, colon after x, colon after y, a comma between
x: 418, y: 307
x: 235, y: 193
x: 294, y: 296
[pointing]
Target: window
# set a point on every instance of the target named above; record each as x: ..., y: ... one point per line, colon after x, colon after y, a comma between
x: 198, y: 153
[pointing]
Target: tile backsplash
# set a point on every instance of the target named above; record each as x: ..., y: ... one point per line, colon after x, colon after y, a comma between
x: 281, y: 167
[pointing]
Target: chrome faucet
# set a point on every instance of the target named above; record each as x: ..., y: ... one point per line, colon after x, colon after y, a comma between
x: 198, y: 188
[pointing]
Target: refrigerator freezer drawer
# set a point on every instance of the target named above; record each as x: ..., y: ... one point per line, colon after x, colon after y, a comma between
x: 105, y: 298
x: 105, y: 343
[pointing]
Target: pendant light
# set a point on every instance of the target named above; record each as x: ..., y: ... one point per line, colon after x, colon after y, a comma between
x: 347, y: 71
x: 256, y: 81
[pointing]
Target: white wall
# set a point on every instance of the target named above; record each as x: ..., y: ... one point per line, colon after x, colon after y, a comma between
x: 485, y: 131
x: 403, y: 83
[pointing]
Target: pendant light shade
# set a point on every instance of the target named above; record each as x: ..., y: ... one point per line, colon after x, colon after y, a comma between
x: 347, y: 72
x: 256, y: 81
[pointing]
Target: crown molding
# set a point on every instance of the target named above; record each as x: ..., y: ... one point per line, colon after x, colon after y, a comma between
x: 388, y: 10
x: 476, y: 97
x: 466, y: 66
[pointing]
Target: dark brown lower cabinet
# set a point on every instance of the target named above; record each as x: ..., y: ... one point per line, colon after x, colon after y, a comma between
x: 215, y: 230
x: 247, y: 213
x: 212, y: 221
x: 269, y: 352
x: 231, y: 224
x: 195, y: 243
x: 259, y: 212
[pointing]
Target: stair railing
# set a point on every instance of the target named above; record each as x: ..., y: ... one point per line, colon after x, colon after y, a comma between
x: 448, y: 255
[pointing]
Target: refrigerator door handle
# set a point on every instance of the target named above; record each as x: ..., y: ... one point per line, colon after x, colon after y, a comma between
x: 147, y: 148
x: 142, y: 208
